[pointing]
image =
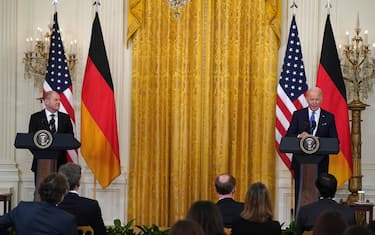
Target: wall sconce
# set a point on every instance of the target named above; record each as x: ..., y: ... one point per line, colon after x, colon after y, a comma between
x: 36, y: 57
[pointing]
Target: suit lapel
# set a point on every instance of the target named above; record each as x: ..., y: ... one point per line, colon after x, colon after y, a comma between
x: 322, y: 119
x: 44, y: 120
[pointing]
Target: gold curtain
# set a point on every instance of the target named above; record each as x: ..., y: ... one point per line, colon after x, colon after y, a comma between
x: 203, y: 102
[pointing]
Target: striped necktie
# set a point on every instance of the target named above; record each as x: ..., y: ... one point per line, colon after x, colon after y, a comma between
x: 52, y: 125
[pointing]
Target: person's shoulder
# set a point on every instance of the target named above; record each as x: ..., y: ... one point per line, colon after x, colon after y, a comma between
x: 64, y: 115
x: 88, y: 202
x: 38, y: 114
x: 22, y: 204
x: 300, y: 111
x: 327, y: 113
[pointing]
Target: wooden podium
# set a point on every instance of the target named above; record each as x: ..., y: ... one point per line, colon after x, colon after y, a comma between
x: 46, y: 156
x: 308, y: 193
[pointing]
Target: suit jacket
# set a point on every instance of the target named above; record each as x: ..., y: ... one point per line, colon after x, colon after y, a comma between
x: 38, y: 218
x: 325, y: 128
x: 308, y: 214
x: 300, y: 123
x: 38, y: 121
x: 245, y: 227
x: 85, y: 210
x: 230, y: 210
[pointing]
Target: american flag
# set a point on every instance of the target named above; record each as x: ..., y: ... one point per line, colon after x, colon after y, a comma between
x: 58, y: 78
x: 291, y: 88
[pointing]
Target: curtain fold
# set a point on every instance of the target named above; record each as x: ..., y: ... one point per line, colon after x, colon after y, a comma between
x: 203, y: 101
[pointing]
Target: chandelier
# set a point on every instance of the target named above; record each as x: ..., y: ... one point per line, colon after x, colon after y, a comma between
x: 358, y: 66
x: 36, y: 57
x: 176, y: 5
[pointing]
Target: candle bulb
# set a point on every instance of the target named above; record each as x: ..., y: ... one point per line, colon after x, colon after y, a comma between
x: 340, y: 50
x: 365, y: 38
x: 347, y: 38
x: 71, y: 47
x: 75, y: 47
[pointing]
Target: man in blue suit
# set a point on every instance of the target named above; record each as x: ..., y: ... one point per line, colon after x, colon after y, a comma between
x: 86, y: 211
x: 38, y: 218
x: 315, y: 121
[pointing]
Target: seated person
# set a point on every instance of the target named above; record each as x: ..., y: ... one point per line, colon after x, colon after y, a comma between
x: 330, y: 223
x: 208, y: 216
x: 256, y: 218
x: 186, y: 227
x: 86, y: 211
x: 36, y: 218
x: 307, y: 216
x: 225, y: 186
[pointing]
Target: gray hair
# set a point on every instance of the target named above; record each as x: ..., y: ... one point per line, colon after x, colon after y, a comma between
x: 72, y: 172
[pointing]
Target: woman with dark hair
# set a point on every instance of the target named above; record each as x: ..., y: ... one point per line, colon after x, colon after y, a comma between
x: 256, y: 218
x: 330, y: 223
x: 186, y: 227
x: 208, y: 216
x: 43, y: 217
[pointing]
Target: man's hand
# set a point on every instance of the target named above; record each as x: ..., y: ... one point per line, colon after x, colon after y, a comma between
x: 303, y: 135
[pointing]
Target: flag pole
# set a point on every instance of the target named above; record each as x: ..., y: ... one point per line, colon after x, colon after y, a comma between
x: 292, y: 209
x: 96, y: 4
x: 94, y: 193
x: 328, y: 6
x: 54, y: 3
x: 294, y: 7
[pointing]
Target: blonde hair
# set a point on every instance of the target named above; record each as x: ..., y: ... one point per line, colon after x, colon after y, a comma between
x: 257, y: 206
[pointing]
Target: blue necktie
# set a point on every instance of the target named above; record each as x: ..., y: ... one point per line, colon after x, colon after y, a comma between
x: 312, y: 120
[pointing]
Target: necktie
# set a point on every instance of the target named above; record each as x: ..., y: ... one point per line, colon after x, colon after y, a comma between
x: 312, y: 123
x: 52, y: 126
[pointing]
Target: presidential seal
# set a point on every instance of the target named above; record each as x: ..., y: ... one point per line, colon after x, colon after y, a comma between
x: 43, y: 139
x: 309, y: 144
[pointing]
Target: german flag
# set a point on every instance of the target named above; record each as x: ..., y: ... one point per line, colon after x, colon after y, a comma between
x: 99, y: 139
x: 331, y: 81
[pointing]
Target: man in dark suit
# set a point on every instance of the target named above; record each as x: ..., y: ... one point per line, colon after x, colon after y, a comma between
x: 35, y: 218
x: 225, y: 186
x: 86, y: 211
x: 315, y: 121
x: 51, y: 119
x: 308, y: 215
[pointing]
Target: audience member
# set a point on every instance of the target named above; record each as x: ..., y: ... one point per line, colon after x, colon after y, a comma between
x: 330, y: 223
x: 225, y: 186
x: 37, y: 218
x: 371, y: 226
x: 186, y: 227
x: 85, y: 210
x: 357, y: 230
x: 256, y: 218
x: 307, y: 216
x: 208, y: 215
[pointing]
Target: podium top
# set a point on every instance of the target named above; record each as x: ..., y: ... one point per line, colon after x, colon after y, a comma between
x: 61, y: 141
x: 292, y: 145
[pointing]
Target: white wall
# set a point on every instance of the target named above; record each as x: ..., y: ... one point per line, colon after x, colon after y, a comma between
x: 19, y: 20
